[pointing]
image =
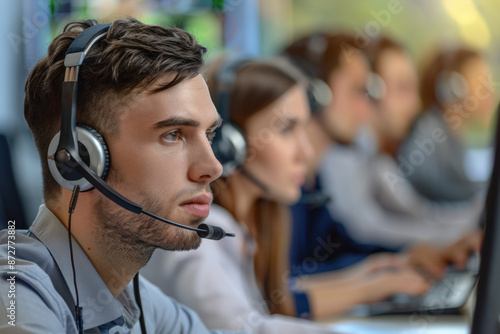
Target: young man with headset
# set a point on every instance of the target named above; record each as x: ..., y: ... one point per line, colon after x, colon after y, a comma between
x: 145, y: 123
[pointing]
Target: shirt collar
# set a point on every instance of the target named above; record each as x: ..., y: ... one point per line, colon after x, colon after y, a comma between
x: 98, y: 304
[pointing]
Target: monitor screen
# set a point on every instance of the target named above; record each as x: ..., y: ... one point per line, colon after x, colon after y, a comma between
x: 487, y: 310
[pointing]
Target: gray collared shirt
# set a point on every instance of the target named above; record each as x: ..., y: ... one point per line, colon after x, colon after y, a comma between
x: 37, y: 292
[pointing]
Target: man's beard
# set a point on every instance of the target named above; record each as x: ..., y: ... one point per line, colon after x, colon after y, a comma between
x: 134, y: 237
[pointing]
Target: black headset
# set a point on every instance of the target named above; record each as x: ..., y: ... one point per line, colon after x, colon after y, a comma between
x: 78, y: 156
x: 450, y: 86
x: 376, y: 89
x: 230, y: 144
x: 318, y: 92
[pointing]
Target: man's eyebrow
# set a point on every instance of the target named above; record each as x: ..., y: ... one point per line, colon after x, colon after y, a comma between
x: 177, y: 121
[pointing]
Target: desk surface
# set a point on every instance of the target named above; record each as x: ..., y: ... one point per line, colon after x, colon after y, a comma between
x: 418, y: 323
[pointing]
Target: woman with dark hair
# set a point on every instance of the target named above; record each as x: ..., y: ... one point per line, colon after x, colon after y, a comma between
x: 456, y: 89
x: 244, y: 282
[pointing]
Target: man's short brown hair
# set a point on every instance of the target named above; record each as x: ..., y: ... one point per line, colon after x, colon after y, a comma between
x: 129, y: 59
x: 320, y: 54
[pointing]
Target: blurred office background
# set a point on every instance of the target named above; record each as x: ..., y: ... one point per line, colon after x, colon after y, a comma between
x: 255, y: 27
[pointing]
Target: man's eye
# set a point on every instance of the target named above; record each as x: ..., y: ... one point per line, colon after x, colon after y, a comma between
x: 172, y: 136
x: 211, y: 136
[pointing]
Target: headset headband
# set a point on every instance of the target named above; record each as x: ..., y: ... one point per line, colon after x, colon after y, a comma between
x: 229, y: 145
x: 74, y: 58
x: 225, y: 78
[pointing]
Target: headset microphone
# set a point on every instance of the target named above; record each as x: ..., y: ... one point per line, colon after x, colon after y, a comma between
x: 213, y: 232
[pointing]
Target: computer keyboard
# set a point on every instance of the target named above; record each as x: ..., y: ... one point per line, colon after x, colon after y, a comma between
x: 445, y: 296
x: 451, y: 292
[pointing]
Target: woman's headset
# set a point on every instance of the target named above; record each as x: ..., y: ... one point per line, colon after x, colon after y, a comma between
x: 450, y: 86
x: 319, y: 94
x: 230, y: 144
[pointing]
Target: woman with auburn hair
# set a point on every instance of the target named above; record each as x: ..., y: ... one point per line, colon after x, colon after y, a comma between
x: 242, y: 282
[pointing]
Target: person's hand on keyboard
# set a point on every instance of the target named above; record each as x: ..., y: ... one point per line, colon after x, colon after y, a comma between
x: 404, y: 281
x: 433, y: 260
x: 459, y: 252
x: 374, y: 263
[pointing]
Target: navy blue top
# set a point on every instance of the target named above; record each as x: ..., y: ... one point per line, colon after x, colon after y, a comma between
x: 319, y: 243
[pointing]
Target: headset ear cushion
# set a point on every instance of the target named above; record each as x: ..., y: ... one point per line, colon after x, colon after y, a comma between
x: 319, y: 95
x: 230, y: 148
x: 106, y: 161
x: 93, y: 152
x: 451, y: 87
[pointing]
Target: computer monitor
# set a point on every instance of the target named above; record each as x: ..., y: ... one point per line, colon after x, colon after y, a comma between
x: 487, y: 310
